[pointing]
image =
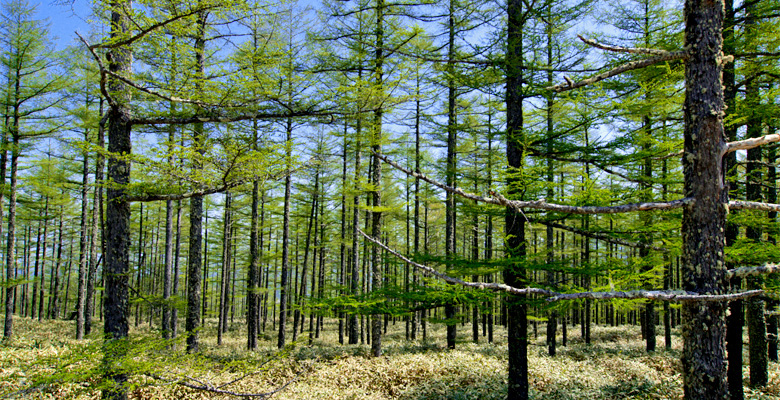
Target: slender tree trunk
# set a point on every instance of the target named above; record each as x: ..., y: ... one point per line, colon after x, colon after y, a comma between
x: 192, y: 322
x: 82, y: 287
x: 285, y: 240
x: 97, y: 230
x: 376, y: 179
x: 226, y: 255
x: 10, y: 249
x: 450, y: 253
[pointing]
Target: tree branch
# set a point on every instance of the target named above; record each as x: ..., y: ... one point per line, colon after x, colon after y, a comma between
x: 150, y: 29
x: 629, y: 66
x: 665, y: 295
x: 661, y: 295
x: 602, y: 237
x: 742, y: 272
x: 618, y: 49
x: 748, y: 144
x: 752, y: 205
x: 500, y: 200
x: 102, y: 70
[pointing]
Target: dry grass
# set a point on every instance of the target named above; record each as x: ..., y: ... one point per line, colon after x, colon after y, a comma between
x: 615, y: 366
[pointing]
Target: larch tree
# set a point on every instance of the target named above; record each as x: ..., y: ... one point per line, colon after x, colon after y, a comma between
x: 29, y: 100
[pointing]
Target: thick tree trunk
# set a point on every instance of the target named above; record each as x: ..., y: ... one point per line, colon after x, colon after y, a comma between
x: 514, y: 273
x: 704, y: 330
x: 117, y: 266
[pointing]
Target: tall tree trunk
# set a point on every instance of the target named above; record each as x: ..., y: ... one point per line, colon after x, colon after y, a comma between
x: 376, y: 177
x: 117, y: 266
x: 10, y: 249
x: 82, y: 287
x: 703, y: 330
x: 736, y: 314
x: 226, y: 256
x: 449, y: 249
x: 552, y: 318
x: 192, y: 322
x: 42, y: 286
x: 96, y: 241
x: 253, y: 275
x: 756, y: 323
x: 285, y: 239
x: 514, y: 273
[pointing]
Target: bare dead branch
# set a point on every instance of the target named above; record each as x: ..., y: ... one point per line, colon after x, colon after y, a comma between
x: 500, y: 200
x: 619, y: 49
x: 660, y: 295
x: 664, y: 295
x: 477, y: 285
x: 752, y: 205
x: 751, y: 143
x: 629, y: 66
x: 742, y: 272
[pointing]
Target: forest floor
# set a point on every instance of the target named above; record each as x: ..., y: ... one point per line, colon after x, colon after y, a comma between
x: 43, y: 362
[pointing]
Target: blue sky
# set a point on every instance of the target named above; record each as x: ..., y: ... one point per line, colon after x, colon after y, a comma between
x: 65, y: 18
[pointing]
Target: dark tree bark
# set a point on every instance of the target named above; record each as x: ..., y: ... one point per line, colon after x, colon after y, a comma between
x: 514, y: 273
x: 285, y: 241
x: 452, y: 129
x: 253, y: 275
x: 10, y: 249
x: 757, y: 347
x: 226, y: 260
x: 376, y: 178
x: 117, y: 266
x: 192, y: 322
x: 83, y: 238
x: 704, y: 330
x: 736, y: 315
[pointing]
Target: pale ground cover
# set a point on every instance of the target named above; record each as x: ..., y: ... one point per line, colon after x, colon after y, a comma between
x: 615, y: 366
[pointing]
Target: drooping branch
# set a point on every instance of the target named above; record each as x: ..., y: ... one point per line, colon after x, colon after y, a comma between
x: 619, y: 49
x: 753, y: 205
x: 629, y: 66
x: 742, y: 272
x: 751, y: 143
x: 477, y: 285
x: 500, y: 200
x: 602, y: 237
x: 661, y: 295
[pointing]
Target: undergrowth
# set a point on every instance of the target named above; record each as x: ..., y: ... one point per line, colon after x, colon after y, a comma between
x: 44, y: 362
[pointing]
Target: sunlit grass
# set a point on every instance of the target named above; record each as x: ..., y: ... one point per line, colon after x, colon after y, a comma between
x: 614, y: 366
